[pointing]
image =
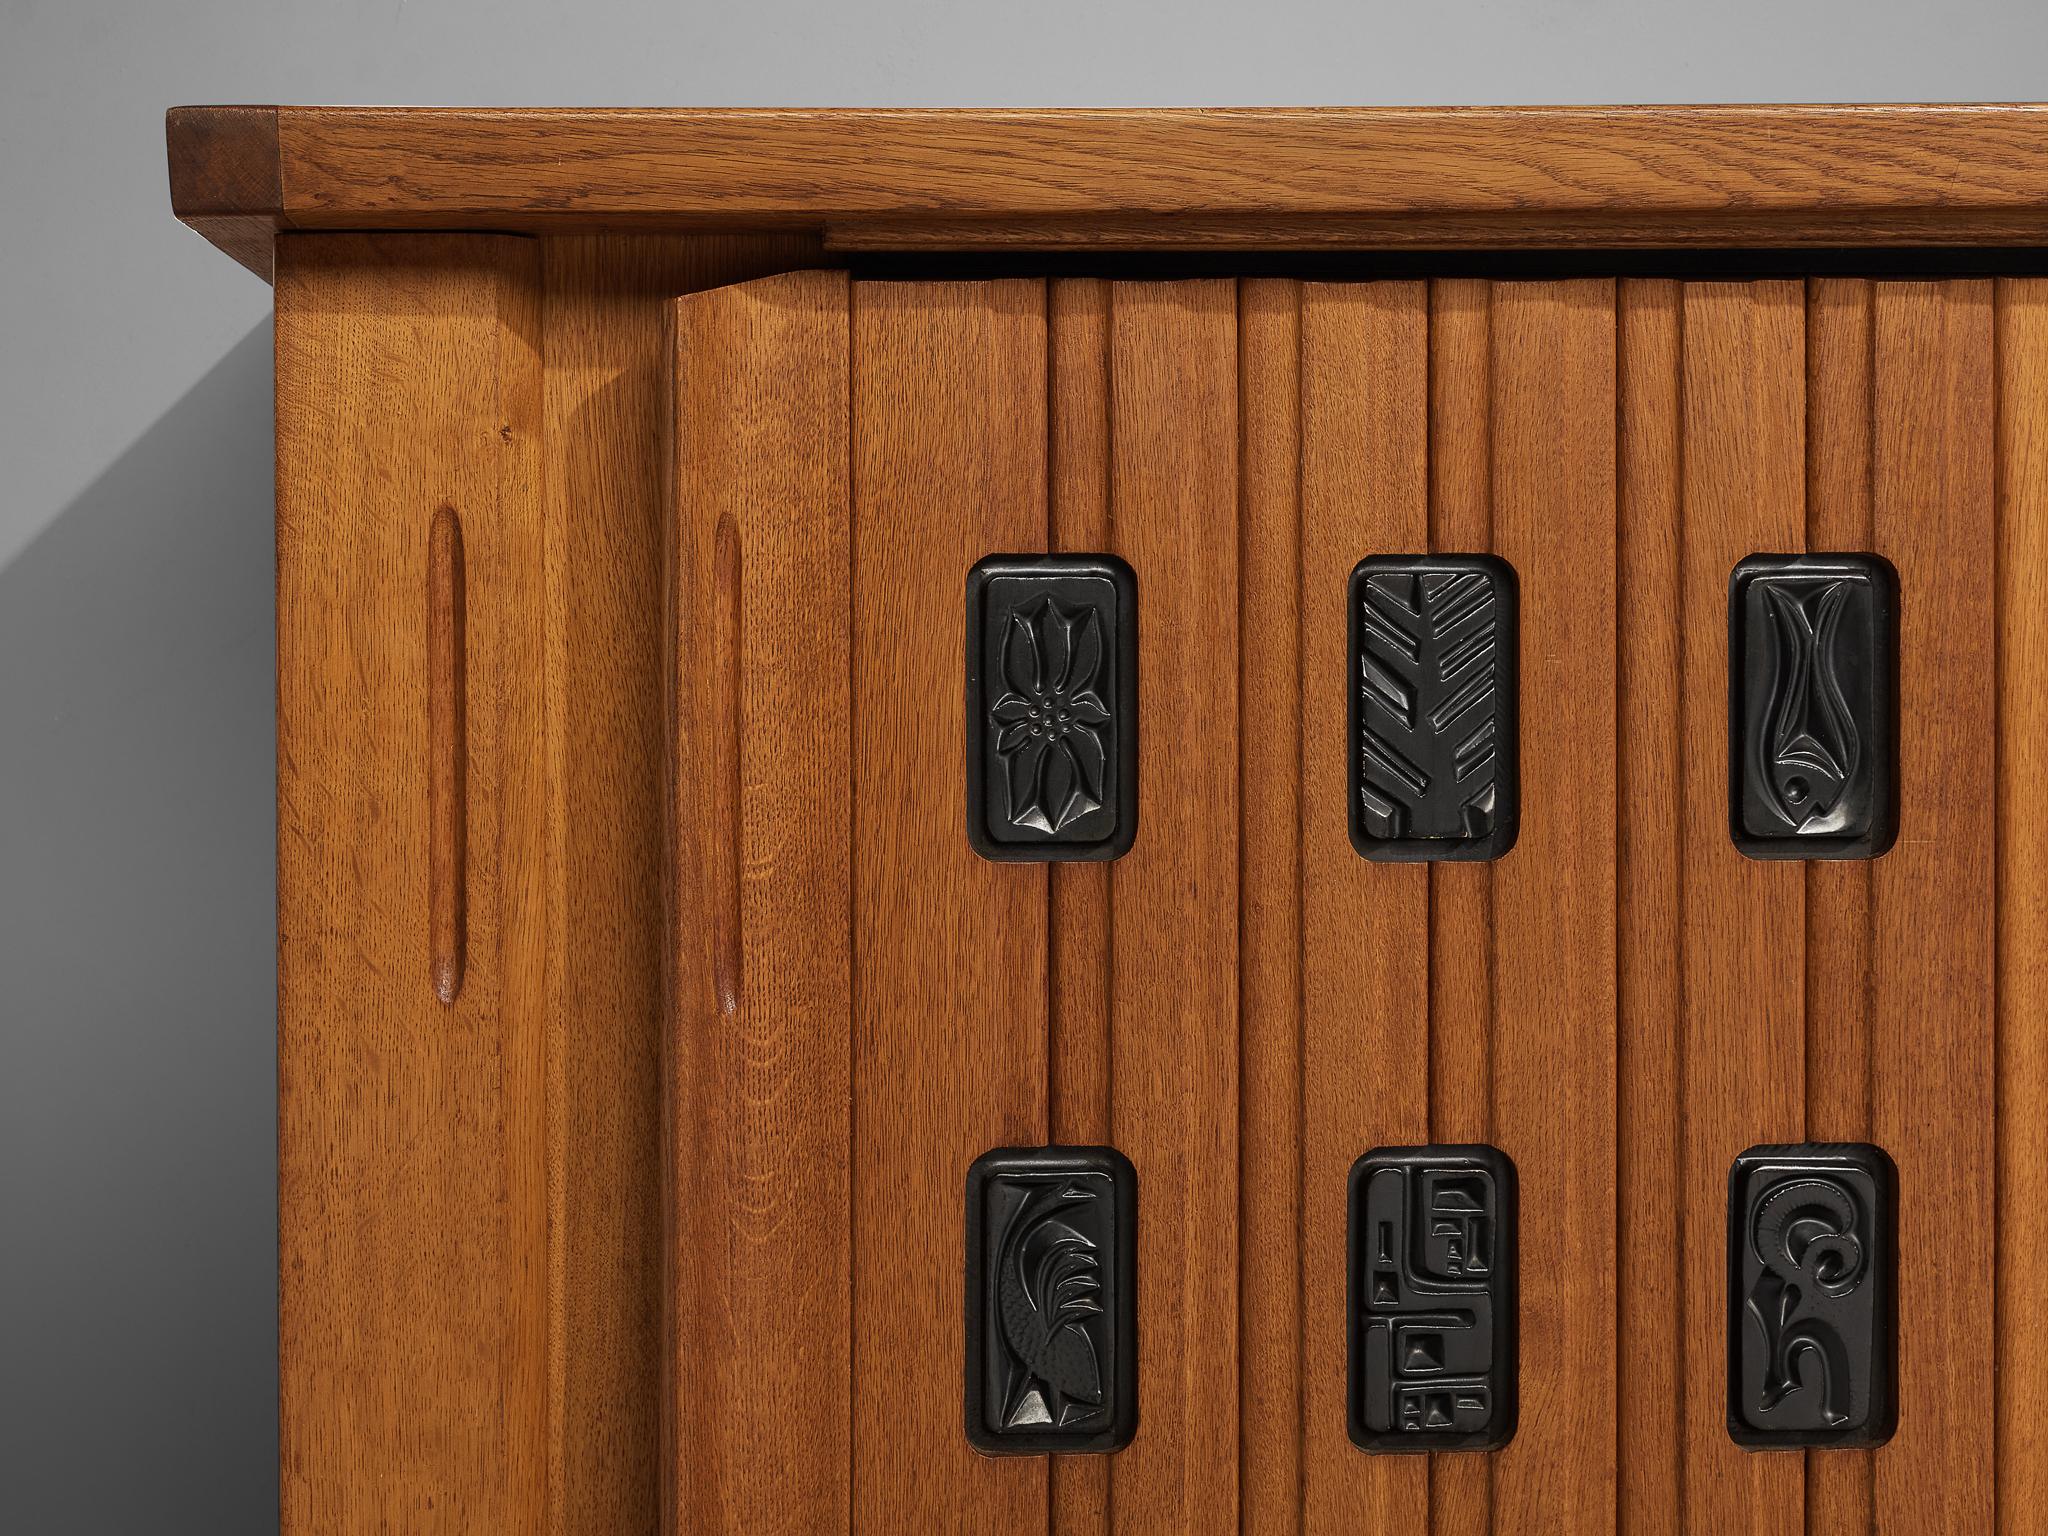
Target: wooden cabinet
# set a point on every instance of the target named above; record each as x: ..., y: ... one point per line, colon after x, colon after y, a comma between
x: 645, y: 1001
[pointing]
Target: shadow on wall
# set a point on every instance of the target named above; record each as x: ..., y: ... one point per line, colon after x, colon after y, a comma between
x: 138, y: 986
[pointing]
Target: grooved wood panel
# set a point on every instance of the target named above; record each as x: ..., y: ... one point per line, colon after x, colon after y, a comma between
x: 475, y: 1121
x: 1174, y: 1052
x: 412, y: 1133
x: 1461, y: 896
x: 2021, y: 1450
x: 1270, y: 1268
x: 1078, y: 977
x: 1365, y: 927
x: 1934, y: 977
x: 469, y: 1189
x: 762, y: 1259
x: 1648, y: 765
x: 1553, y: 934
x: 950, y: 999
x: 1741, y: 923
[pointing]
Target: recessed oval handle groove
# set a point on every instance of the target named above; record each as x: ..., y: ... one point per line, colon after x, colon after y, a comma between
x: 448, y: 757
x: 727, y: 827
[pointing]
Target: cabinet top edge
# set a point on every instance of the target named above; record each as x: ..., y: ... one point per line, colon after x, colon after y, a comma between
x: 1130, y: 178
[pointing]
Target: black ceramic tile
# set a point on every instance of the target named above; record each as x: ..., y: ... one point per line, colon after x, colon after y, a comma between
x: 1812, y: 684
x: 1052, y: 1301
x: 1433, y: 708
x: 1810, y: 1296
x: 1052, y: 700
x: 1432, y: 1299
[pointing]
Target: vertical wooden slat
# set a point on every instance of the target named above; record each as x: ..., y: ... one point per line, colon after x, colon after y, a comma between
x: 1649, y: 1327
x: 412, y: 1133
x: 2022, y: 1289
x: 950, y: 1015
x: 1269, y: 741
x: 1742, y: 922
x: 1365, y: 926
x: 1078, y: 977
x: 1554, y: 1083
x: 610, y: 366
x: 1174, y: 411
x: 1461, y: 895
x: 1838, y: 517
x: 759, y: 1215
x: 1838, y: 923
x: 1936, y: 928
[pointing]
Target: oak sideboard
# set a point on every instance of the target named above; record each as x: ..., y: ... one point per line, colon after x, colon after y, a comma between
x: 1005, y: 822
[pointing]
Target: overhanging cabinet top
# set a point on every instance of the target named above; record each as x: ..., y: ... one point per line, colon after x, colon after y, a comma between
x: 1279, y: 178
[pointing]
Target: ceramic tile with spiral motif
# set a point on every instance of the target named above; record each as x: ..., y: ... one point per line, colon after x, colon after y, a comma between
x: 1810, y: 1323
x: 1052, y: 1307
x: 1432, y: 1299
x: 1052, y: 694
x: 1812, y: 683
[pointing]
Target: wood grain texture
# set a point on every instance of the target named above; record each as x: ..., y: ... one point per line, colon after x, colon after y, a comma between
x: 1742, y: 923
x: 1935, y: 981
x: 2022, y: 1206
x: 1839, y: 1484
x: 1079, y: 974
x: 1165, y: 161
x: 760, y: 1200
x: 226, y: 178
x: 1461, y: 910
x: 950, y: 998
x: 610, y: 358
x: 1553, y: 933
x: 1174, y: 1111
x: 1648, y: 767
x: 471, y: 1194
x: 1275, y: 177
x: 412, y: 1138
x: 1365, y: 926
x: 1270, y: 1272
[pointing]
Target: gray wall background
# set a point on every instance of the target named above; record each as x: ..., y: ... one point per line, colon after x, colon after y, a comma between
x: 137, y: 848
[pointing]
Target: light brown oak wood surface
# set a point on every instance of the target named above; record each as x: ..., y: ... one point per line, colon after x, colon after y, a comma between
x: 1622, y: 444
x: 444, y: 1170
x: 413, y: 1120
x: 1272, y: 178
x: 558, y: 1255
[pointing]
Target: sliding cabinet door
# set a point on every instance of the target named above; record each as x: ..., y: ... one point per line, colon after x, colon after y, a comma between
x: 862, y: 1004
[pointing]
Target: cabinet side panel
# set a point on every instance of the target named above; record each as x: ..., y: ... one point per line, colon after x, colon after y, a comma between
x: 1365, y: 926
x: 950, y: 1009
x: 1554, y: 1007
x: 759, y: 1178
x: 1741, y: 922
x: 1935, y: 951
x: 2022, y: 904
x: 411, y: 1130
